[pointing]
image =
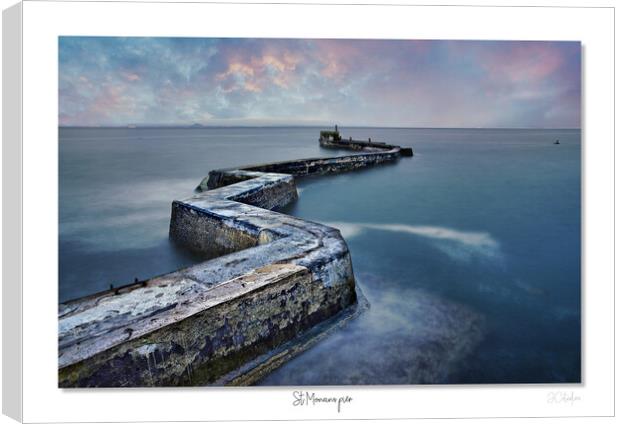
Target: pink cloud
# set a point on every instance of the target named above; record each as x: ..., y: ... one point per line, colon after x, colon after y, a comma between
x: 236, y: 68
x: 254, y: 73
x: 523, y: 62
x: 337, y: 57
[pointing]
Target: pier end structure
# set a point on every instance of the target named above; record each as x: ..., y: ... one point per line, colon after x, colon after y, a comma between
x: 272, y: 277
x: 333, y: 140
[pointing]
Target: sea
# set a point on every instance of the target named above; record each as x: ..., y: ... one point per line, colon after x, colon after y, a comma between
x: 468, y: 253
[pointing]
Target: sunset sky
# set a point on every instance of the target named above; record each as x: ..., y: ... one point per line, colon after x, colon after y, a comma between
x: 405, y: 83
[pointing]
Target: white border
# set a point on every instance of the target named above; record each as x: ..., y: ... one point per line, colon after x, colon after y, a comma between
x: 45, y: 21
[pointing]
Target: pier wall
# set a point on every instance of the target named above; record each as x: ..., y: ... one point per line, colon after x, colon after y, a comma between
x: 272, y: 277
x: 301, y: 168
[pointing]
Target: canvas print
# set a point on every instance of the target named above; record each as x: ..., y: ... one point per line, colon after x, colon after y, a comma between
x: 292, y: 212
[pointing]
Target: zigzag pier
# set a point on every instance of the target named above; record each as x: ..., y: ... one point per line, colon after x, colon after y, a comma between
x: 275, y: 285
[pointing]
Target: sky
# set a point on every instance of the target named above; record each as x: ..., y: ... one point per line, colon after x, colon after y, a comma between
x: 119, y: 81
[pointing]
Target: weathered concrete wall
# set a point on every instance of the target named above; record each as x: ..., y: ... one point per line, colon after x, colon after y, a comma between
x: 211, y: 222
x: 372, y: 154
x: 364, y: 145
x: 237, y: 321
x: 276, y: 276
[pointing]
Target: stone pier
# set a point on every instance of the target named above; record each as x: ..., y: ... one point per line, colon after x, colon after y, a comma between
x: 273, y: 278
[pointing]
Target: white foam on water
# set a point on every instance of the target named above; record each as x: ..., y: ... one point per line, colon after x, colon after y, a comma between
x: 459, y: 245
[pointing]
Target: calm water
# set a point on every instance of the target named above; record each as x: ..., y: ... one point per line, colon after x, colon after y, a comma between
x: 469, y: 252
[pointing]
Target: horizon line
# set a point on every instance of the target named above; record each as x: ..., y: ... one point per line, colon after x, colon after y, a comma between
x: 194, y: 126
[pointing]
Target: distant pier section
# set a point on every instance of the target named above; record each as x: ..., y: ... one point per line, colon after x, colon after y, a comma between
x: 332, y: 139
x: 233, y: 318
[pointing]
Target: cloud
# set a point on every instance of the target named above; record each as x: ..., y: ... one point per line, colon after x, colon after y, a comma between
x: 133, y: 80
